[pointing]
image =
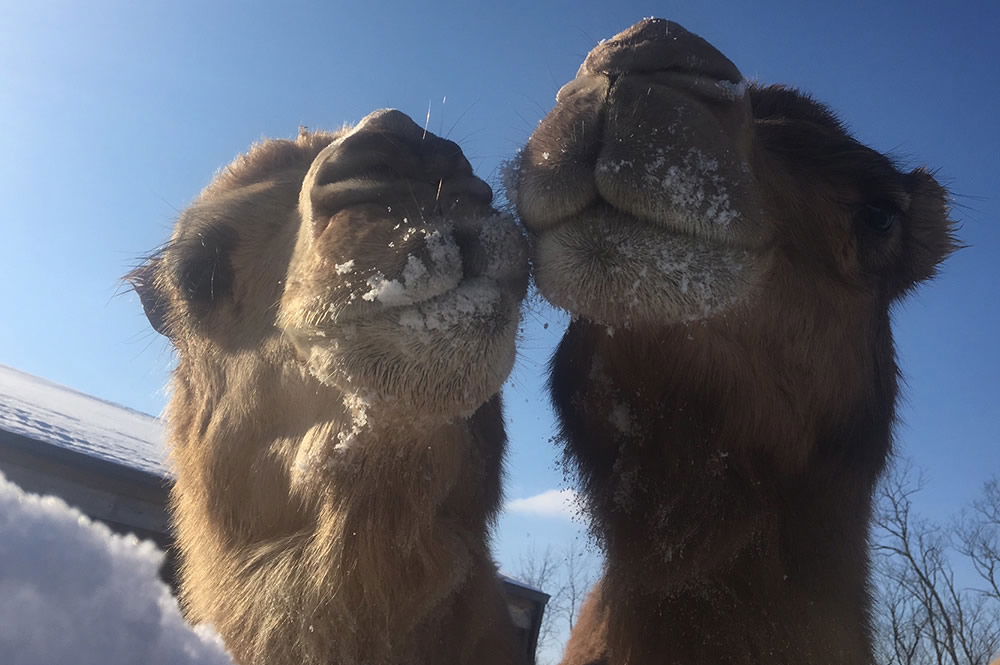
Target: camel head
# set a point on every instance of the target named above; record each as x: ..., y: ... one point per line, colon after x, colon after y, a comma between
x: 664, y: 188
x: 369, y: 258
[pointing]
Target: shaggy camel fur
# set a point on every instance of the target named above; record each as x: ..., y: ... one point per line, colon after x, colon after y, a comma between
x: 727, y: 387
x: 344, y: 307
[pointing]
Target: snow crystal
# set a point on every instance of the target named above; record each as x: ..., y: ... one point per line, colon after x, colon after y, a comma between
x: 344, y: 268
x: 72, y: 592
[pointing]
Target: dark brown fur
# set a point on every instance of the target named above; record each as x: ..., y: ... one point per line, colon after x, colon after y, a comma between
x: 729, y: 462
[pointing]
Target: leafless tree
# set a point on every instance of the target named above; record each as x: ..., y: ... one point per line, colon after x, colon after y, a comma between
x: 924, y: 616
x: 979, y: 538
x: 540, y: 570
x: 567, y: 575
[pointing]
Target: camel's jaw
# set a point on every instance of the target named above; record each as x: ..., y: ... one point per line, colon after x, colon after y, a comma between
x: 637, y: 187
x: 404, y: 281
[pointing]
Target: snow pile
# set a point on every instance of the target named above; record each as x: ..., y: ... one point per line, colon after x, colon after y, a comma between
x: 73, y: 593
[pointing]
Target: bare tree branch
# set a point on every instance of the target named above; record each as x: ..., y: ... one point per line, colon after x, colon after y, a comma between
x: 923, y: 615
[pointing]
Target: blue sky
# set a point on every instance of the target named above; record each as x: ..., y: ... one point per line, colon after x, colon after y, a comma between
x: 114, y: 114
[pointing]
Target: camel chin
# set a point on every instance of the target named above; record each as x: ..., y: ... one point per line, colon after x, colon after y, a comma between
x: 444, y: 355
x: 618, y: 271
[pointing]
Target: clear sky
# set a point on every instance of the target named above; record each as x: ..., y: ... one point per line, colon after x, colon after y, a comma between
x: 114, y: 114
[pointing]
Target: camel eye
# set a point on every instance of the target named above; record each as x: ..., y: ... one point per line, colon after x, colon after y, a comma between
x: 205, y: 273
x: 878, y: 218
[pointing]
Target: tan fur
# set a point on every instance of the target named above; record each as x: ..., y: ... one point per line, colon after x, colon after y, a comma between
x: 338, y: 453
x: 726, y: 394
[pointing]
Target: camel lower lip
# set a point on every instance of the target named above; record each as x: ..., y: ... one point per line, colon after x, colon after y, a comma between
x: 476, y: 297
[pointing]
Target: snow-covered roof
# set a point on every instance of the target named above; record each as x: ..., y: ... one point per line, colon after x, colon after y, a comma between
x: 52, y: 414
x: 504, y: 577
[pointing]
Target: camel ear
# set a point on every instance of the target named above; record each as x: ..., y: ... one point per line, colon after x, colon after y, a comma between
x: 154, y: 302
x: 928, y: 238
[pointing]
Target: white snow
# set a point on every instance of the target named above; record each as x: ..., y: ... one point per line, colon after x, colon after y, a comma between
x: 60, y: 416
x: 73, y: 593
x: 685, y: 183
x: 621, y: 417
x: 345, y: 267
x: 417, y: 278
x: 475, y: 299
x: 733, y: 90
x: 357, y: 406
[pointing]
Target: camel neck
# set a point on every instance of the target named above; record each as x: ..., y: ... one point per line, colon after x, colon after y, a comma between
x: 711, y: 511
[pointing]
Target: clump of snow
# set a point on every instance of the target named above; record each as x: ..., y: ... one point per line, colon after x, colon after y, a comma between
x: 357, y: 406
x: 733, y: 90
x: 416, y: 278
x: 621, y: 417
x: 476, y: 299
x: 73, y: 592
x: 344, y: 268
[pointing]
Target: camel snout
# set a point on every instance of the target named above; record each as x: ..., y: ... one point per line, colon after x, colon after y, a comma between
x: 658, y: 45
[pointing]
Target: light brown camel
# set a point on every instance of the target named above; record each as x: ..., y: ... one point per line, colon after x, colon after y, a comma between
x: 726, y: 389
x: 344, y: 307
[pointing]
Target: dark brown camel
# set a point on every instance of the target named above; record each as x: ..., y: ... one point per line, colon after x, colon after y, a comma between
x: 727, y: 388
x: 344, y: 308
